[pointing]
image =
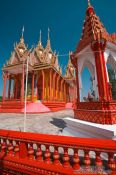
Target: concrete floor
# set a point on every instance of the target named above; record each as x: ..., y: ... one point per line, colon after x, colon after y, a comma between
x: 49, y: 123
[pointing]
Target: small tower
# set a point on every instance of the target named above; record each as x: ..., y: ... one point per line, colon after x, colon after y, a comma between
x: 95, y: 49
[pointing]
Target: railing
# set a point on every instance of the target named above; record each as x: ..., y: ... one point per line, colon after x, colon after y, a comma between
x: 55, y: 155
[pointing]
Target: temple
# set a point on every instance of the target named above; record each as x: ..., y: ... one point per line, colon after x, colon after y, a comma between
x: 45, y: 80
x: 96, y: 50
x: 45, y: 154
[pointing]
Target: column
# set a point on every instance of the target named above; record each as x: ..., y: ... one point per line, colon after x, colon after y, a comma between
x: 22, y: 85
x: 104, y: 91
x: 50, y: 88
x: 61, y: 89
x: 4, y: 87
x: 65, y: 91
x: 9, y: 87
x: 32, y: 87
x: 43, y: 85
x: 54, y: 85
x: 57, y: 87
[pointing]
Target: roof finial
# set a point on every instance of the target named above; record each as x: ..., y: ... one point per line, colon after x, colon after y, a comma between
x: 48, y: 33
x: 89, y: 4
x: 40, y: 37
x: 23, y: 31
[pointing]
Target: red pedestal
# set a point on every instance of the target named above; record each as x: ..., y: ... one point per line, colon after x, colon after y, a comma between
x: 96, y: 112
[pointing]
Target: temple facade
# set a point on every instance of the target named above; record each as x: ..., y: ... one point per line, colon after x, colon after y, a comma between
x: 45, y: 80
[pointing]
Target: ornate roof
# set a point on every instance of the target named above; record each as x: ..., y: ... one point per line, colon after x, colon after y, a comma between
x: 93, y: 30
x: 20, y: 52
x: 39, y: 56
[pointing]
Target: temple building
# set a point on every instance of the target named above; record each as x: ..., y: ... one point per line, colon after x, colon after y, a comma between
x: 94, y: 114
x: 45, y: 80
x: 96, y: 50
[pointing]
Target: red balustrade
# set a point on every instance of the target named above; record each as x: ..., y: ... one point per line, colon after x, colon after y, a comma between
x: 55, y: 155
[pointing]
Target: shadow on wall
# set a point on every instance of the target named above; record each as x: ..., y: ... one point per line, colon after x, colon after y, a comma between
x: 59, y: 123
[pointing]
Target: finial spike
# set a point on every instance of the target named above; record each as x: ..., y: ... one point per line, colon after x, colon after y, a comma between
x: 89, y: 4
x: 40, y: 37
x: 48, y: 33
x: 23, y: 31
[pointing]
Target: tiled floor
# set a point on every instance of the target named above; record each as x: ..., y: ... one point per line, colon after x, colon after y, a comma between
x: 49, y: 123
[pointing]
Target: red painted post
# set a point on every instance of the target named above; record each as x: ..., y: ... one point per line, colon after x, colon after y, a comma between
x: 31, y: 151
x: 39, y: 153
x: 98, y: 49
x: 43, y: 85
x: 111, y: 162
x: 3, y: 146
x: 66, y: 162
x: 47, y: 155
x: 4, y: 88
x: 76, y: 160
x: 22, y: 85
x: 98, y: 160
x: 16, y: 150
x: 32, y: 86
x: 56, y: 156
x: 10, y: 148
x: 9, y: 88
x: 54, y: 85
x: 87, y: 159
x: 50, y: 89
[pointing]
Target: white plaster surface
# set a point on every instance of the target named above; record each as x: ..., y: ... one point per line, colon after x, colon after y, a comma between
x: 81, y: 128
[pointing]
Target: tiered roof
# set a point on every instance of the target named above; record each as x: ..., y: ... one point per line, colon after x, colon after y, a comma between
x: 39, y: 56
x: 93, y: 30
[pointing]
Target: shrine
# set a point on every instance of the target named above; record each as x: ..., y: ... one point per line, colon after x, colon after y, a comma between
x: 96, y: 48
x: 46, y: 83
x: 97, y: 111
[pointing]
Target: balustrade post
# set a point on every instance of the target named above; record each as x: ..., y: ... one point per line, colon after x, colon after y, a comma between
x: 10, y: 148
x: 3, y: 146
x: 76, y: 159
x: 98, y: 161
x: 87, y: 159
x: 39, y: 153
x: 56, y: 156
x: 31, y: 151
x: 16, y: 149
x: 66, y: 162
x: 111, y: 162
x: 47, y: 155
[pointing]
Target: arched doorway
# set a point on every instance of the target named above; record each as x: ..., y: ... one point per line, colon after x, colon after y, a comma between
x: 111, y: 69
x: 112, y: 80
x: 88, y: 82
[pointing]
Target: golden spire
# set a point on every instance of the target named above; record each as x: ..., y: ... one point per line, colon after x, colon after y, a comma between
x: 48, y: 46
x: 22, y: 36
x: 23, y: 31
x: 39, y: 46
x: 48, y: 33
x: 89, y: 4
x: 40, y: 43
x: 40, y: 36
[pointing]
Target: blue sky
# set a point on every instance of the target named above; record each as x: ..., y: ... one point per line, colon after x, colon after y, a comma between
x: 63, y: 17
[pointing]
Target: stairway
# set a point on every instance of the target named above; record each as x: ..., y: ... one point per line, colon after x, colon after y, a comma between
x: 55, y: 106
x: 11, y: 107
